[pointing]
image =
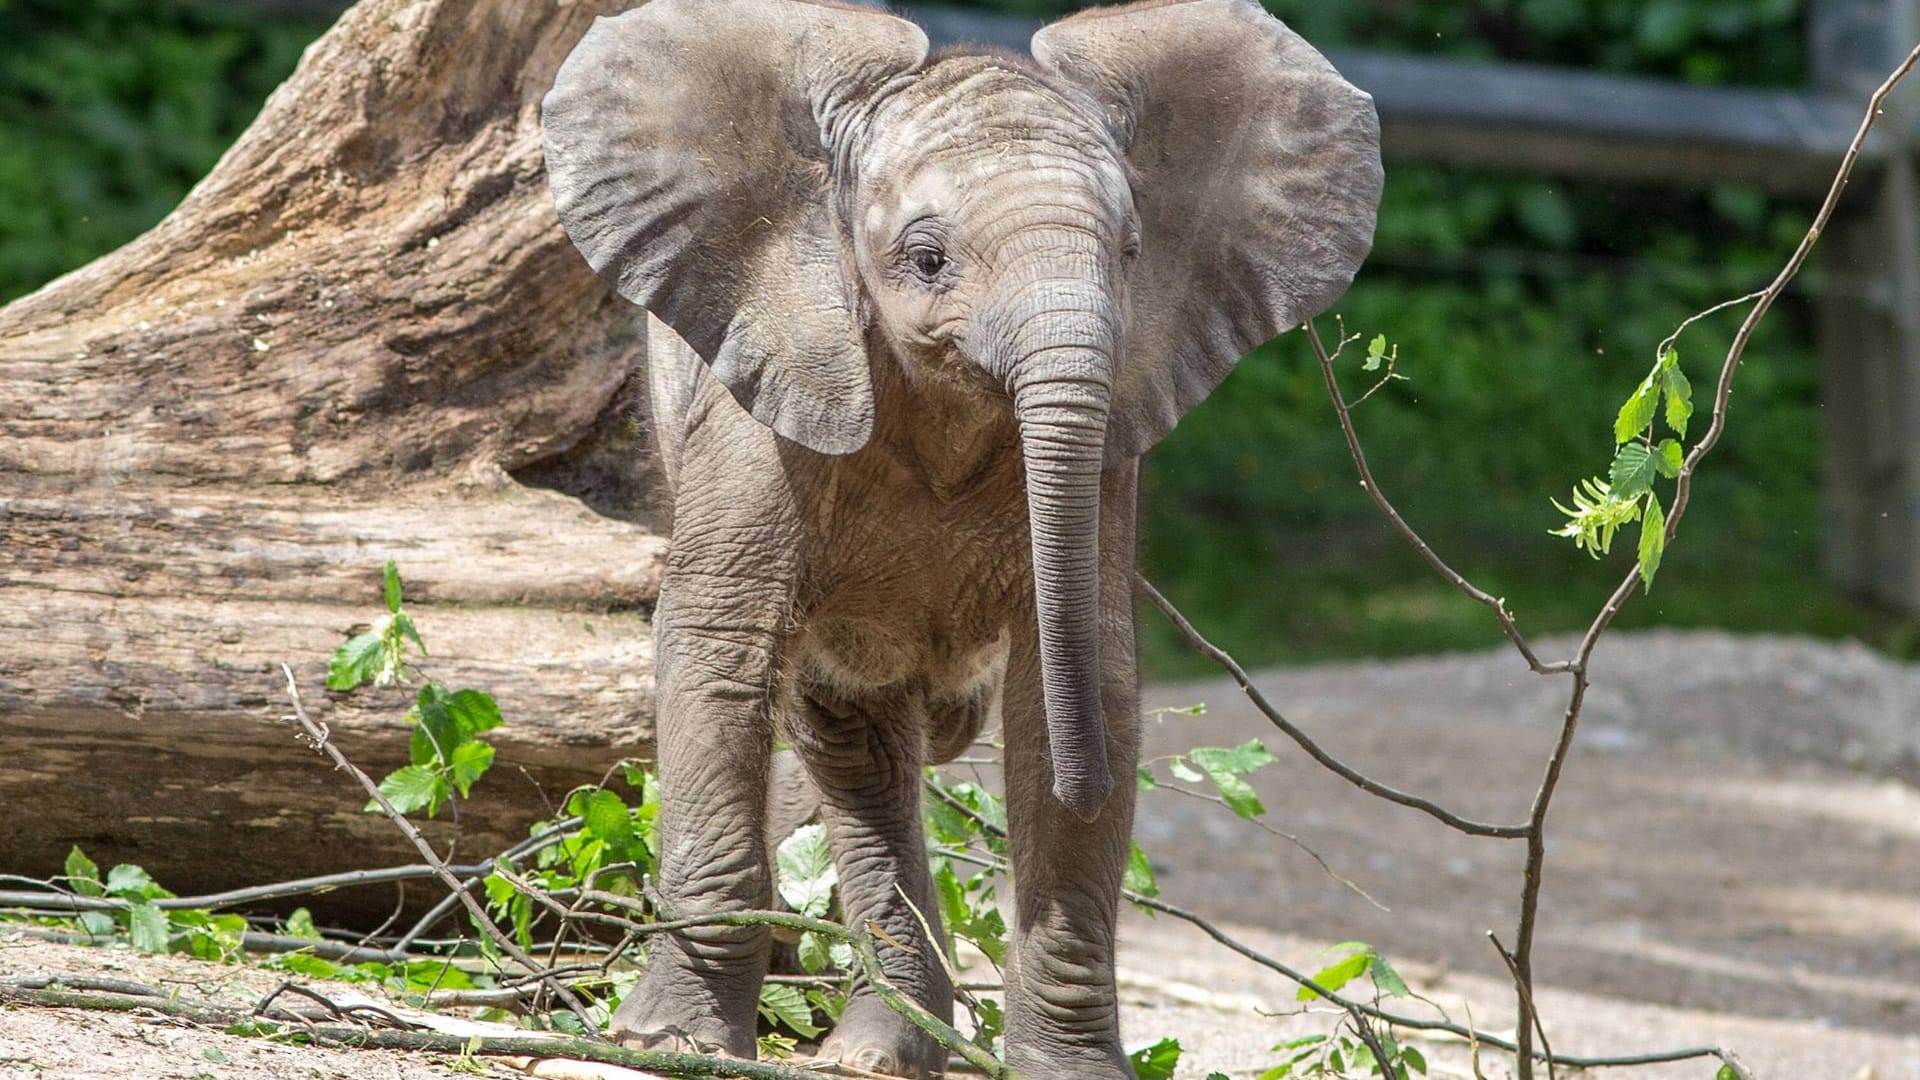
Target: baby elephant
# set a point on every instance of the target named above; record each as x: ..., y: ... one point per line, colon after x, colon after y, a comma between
x: 914, y: 320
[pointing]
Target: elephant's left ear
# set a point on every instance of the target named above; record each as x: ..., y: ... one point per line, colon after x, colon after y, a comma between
x: 689, y: 145
x: 1257, y: 177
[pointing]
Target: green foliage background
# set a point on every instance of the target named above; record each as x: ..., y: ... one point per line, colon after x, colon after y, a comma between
x: 1525, y: 309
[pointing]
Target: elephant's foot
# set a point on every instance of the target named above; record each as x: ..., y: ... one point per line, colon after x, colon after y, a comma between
x: 1069, y: 1063
x: 659, y: 1018
x: 872, y: 1037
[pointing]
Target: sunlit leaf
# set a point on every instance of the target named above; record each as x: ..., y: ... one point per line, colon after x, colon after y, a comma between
x: 1139, y: 874
x: 1653, y: 541
x: 1156, y: 1062
x: 390, y: 586
x: 806, y: 871
x: 1638, y: 412
x: 411, y: 788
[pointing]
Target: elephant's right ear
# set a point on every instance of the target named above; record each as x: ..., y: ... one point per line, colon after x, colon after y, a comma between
x: 688, y: 147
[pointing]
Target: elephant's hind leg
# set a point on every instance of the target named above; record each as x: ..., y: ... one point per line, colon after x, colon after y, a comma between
x: 865, y: 754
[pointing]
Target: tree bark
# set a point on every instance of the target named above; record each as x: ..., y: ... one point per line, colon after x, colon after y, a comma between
x: 363, y: 336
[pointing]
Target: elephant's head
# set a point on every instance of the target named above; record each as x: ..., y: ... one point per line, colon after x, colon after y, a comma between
x: 1094, y: 236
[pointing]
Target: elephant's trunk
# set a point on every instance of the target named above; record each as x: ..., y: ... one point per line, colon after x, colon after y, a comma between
x: 1061, y: 404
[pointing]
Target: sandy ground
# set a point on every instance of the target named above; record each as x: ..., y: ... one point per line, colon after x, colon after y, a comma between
x: 1734, y: 854
x: 1735, y: 860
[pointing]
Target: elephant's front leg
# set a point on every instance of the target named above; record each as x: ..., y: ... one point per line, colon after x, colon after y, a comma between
x: 714, y: 662
x: 864, y: 753
x: 1062, y: 1005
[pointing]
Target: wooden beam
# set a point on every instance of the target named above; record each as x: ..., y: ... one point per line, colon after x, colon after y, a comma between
x: 1869, y: 327
x: 1554, y: 120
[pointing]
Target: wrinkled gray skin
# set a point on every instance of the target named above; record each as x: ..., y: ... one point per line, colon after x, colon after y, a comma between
x: 914, y: 321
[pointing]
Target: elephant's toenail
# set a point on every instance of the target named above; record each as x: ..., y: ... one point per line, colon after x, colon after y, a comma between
x: 877, y: 1060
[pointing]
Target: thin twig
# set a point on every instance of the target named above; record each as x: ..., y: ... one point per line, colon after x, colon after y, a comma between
x: 1525, y: 987
x: 1281, y: 834
x: 1473, y: 592
x: 58, y: 899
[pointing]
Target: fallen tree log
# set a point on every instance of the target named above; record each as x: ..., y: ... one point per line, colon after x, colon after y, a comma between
x: 363, y: 336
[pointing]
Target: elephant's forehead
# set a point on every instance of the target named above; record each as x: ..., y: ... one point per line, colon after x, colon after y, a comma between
x: 974, y: 126
x: 984, y: 107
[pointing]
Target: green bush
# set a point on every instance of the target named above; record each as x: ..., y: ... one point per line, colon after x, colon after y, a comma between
x: 110, y: 110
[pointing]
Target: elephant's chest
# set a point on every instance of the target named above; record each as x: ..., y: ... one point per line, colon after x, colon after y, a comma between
x: 915, y: 585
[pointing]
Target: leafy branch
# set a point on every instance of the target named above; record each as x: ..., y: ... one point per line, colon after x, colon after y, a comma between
x: 1601, y: 508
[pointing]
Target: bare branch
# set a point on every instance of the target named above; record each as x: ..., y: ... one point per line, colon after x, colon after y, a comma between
x: 1340, y: 769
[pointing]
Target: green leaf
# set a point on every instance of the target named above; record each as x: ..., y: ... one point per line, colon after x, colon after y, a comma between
x: 474, y: 711
x: 470, y: 762
x: 969, y: 912
x: 412, y: 788
x: 776, y: 1047
x: 788, y: 1005
x: 1726, y: 1072
x: 819, y: 953
x: 993, y: 1022
x: 607, y: 817
x: 806, y: 871
x: 1145, y: 780
x: 1248, y: 757
x: 1414, y: 1059
x: 83, y: 876
x: 948, y: 825
x: 1638, y: 412
x: 1632, y: 472
x: 300, y: 925
x: 355, y: 662
x: 1156, y: 1062
x: 1239, y: 795
x: 391, y: 580
x: 98, y: 924
x: 1337, y: 975
x: 1225, y: 767
x: 435, y: 731
x: 1139, y: 874
x: 1386, y: 979
x: 1668, y: 458
x: 1376, y: 352
x: 1678, y: 392
x: 131, y: 882
x: 148, y: 927
x: 403, y: 625
x: 215, y: 1055
x: 1653, y: 540
x: 1183, y: 771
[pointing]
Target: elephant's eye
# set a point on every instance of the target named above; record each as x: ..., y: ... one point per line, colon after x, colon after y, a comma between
x: 927, y: 261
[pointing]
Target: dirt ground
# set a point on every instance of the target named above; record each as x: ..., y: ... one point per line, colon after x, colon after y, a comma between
x: 1734, y: 860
